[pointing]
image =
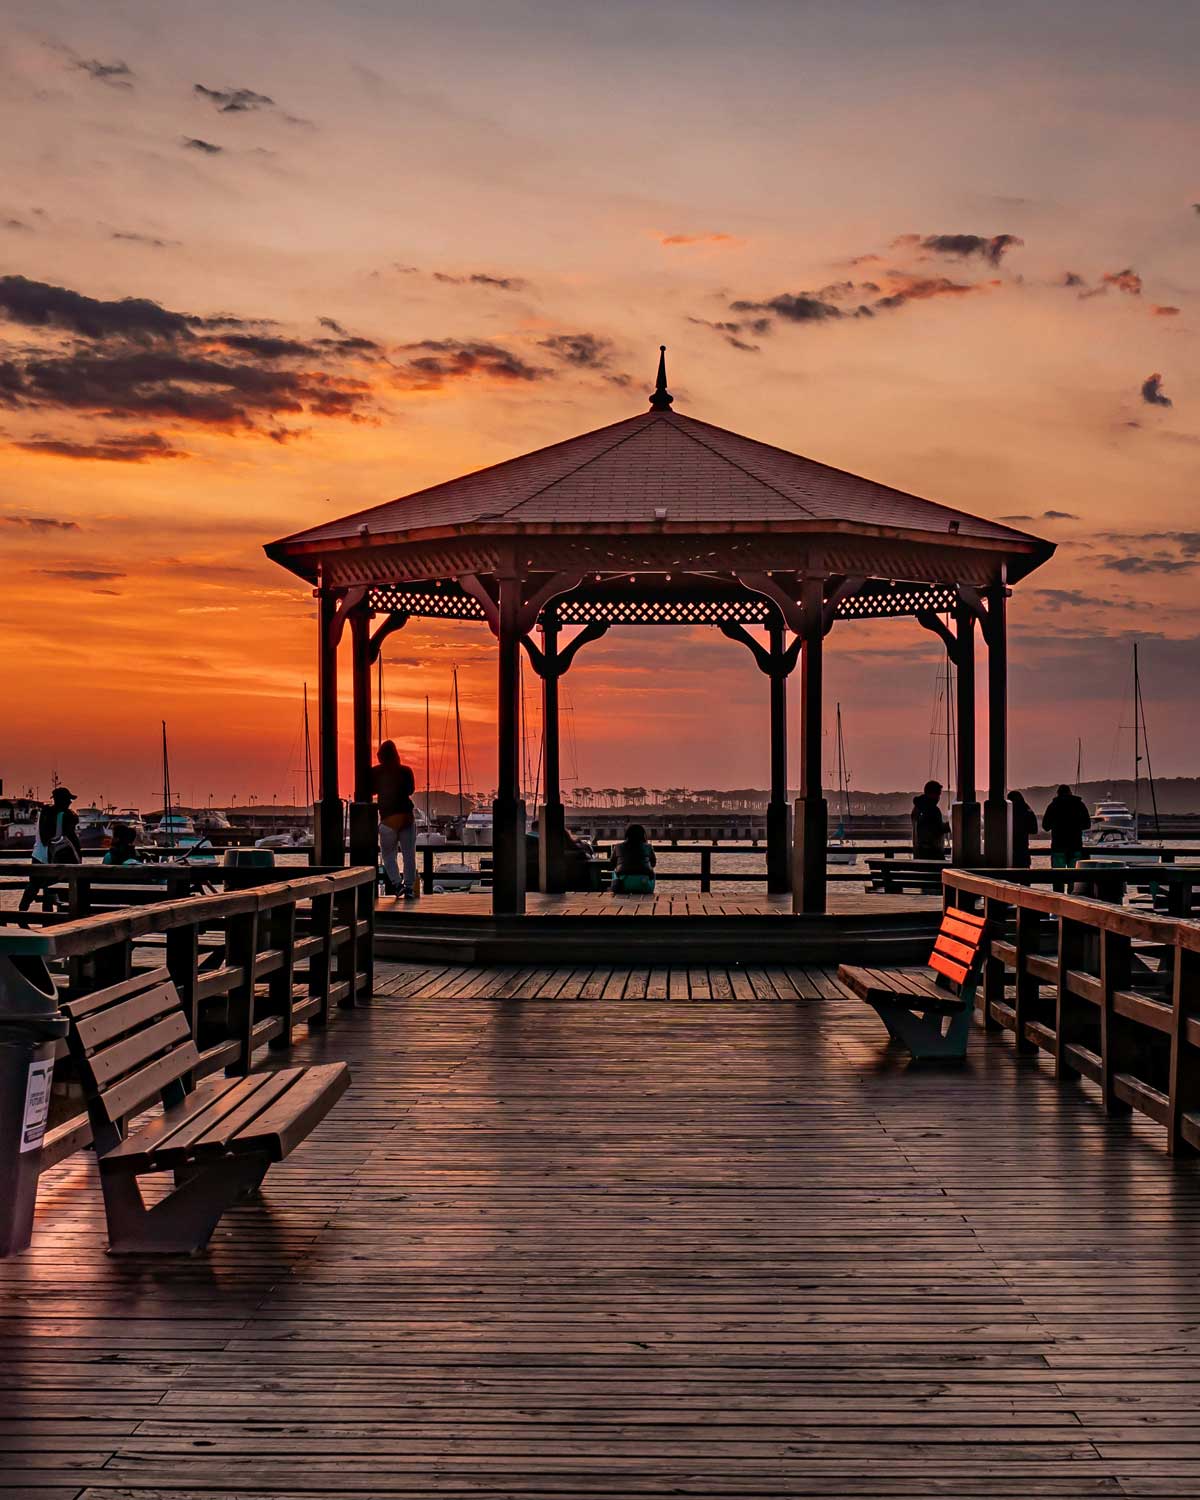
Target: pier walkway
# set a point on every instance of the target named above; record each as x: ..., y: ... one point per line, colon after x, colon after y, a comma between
x: 639, y: 1246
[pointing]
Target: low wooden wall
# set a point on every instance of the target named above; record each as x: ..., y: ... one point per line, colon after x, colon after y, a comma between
x: 1108, y: 993
x: 250, y: 965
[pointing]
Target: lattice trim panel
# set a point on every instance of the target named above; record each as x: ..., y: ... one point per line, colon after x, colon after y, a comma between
x: 875, y: 600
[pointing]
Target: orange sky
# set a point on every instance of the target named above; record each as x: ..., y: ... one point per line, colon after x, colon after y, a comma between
x: 386, y: 243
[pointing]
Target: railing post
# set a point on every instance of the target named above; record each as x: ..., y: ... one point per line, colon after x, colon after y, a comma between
x: 427, y: 871
x: 320, y: 963
x: 345, y: 907
x: 995, y: 914
x: 365, y: 948
x: 705, y: 871
x: 1071, y: 939
x: 1116, y: 955
x: 1184, y: 1088
x: 183, y: 965
x: 241, y: 948
x: 1027, y: 985
x: 281, y: 924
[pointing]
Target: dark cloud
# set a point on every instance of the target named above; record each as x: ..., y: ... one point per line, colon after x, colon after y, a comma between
x: 151, y: 240
x: 1132, y: 562
x: 1161, y: 311
x: 1018, y: 516
x: 333, y: 325
x: 39, y: 523
x: 194, y: 143
x: 234, y: 101
x: 921, y: 289
x: 1069, y: 599
x: 699, y: 239
x: 430, y: 363
x: 1073, y: 278
x: 38, y: 304
x: 117, y: 75
x: 732, y: 332
x: 18, y: 226
x: 1127, y: 281
x: 962, y: 246
x: 1059, y: 515
x: 481, y: 278
x: 1153, y: 393
x: 793, y: 307
x: 586, y: 351
x: 133, y: 359
x: 83, y: 575
x: 131, y: 448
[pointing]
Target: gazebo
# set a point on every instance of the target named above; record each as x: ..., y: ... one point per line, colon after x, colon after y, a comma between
x: 662, y: 519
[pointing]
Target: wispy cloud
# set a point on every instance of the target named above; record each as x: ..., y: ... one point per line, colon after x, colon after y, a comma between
x: 125, y: 448
x: 682, y: 240
x: 484, y: 279
x: 1153, y: 393
x: 1127, y: 281
x: 194, y: 143
x: 234, y: 101
x: 430, y: 364
x: 39, y: 523
x: 117, y: 75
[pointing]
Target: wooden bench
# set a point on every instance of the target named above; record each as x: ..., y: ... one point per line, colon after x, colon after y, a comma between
x: 930, y: 1010
x: 889, y: 876
x: 132, y: 1045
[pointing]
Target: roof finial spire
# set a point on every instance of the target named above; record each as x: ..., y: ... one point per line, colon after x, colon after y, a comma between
x: 661, y: 398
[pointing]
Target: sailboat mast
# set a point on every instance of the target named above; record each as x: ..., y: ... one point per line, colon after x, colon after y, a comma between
x: 1137, y: 748
x: 379, y: 701
x: 428, y: 767
x: 308, y: 771
x: 458, y: 742
x: 166, y: 775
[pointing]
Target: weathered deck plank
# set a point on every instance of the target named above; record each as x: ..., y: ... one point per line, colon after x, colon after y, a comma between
x: 659, y: 1244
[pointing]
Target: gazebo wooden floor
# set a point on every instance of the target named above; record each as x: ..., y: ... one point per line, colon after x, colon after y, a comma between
x: 630, y: 1248
x: 671, y: 927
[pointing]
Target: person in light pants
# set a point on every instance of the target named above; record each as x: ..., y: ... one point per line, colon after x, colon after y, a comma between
x: 394, y: 785
x: 397, y: 846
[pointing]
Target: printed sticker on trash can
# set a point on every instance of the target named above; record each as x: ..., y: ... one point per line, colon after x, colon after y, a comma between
x: 37, y: 1104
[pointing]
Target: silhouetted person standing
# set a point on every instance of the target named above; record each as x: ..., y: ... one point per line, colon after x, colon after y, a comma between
x: 57, y: 841
x: 928, y: 824
x: 1066, y: 820
x: 394, y: 784
x: 1024, y: 826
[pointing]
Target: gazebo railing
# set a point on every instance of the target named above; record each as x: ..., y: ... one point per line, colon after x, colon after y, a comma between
x: 1109, y: 994
x: 250, y: 966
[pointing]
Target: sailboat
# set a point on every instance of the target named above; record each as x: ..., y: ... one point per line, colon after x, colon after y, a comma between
x: 840, y: 850
x: 428, y: 837
x: 1115, y: 826
x: 175, y: 828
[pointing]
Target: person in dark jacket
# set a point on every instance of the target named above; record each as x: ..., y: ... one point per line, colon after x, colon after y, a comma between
x: 1024, y: 826
x: 57, y: 842
x: 633, y: 864
x: 1065, y: 820
x: 393, y: 784
x: 928, y: 824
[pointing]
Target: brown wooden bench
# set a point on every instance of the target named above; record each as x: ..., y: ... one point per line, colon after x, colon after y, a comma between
x: 890, y: 876
x: 132, y: 1045
x: 930, y: 1010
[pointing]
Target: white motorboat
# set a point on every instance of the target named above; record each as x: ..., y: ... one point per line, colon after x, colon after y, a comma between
x: 457, y: 877
x: 287, y: 838
x: 477, y: 829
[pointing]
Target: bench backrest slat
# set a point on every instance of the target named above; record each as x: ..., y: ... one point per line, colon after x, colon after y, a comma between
x: 130, y: 1041
x: 958, y: 947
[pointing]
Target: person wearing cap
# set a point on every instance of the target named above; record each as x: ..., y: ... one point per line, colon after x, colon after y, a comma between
x: 57, y: 841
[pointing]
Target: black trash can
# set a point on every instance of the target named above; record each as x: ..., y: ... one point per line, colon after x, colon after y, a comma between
x: 30, y: 1025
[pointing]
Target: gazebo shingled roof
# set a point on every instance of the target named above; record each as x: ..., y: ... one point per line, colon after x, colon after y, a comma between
x: 616, y: 477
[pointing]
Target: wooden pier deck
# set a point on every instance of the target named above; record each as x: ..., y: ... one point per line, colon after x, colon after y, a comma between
x: 655, y: 1244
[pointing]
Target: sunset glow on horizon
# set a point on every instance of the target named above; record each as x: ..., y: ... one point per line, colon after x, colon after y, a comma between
x: 262, y: 267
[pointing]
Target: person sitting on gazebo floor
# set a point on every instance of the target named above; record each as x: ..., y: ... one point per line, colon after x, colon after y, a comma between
x: 633, y: 864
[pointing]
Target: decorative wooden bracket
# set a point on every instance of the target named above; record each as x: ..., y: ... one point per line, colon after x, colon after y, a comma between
x: 789, y: 608
x: 978, y: 606
x: 349, y: 601
x: 561, y: 583
x: 848, y: 587
x: 781, y: 665
x: 397, y: 620
x: 560, y: 664
x: 474, y: 585
x: 931, y: 622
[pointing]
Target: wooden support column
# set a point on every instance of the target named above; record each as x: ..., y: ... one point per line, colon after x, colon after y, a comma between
x: 997, y: 814
x: 552, y: 816
x: 364, y: 832
x: 327, y: 815
x: 966, y: 814
x: 508, y: 811
x: 779, y: 830
x: 811, y: 814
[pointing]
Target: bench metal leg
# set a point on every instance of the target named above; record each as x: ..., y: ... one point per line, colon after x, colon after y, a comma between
x: 183, y: 1221
x: 926, y: 1034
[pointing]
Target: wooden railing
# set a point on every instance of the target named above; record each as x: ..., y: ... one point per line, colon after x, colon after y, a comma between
x: 1108, y: 993
x: 250, y: 965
